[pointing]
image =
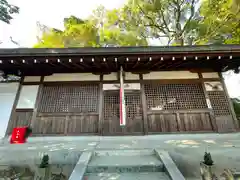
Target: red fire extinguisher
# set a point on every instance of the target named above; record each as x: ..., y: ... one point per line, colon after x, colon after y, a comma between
x: 20, y: 135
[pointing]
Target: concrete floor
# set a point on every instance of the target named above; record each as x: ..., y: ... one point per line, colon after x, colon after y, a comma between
x: 187, y: 150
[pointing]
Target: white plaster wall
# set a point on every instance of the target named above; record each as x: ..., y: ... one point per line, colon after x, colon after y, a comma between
x: 32, y: 79
x: 8, y: 93
x: 170, y: 75
x: 210, y: 75
x: 110, y: 77
x: 28, y: 96
x: 131, y: 76
x: 72, y: 77
x: 127, y: 86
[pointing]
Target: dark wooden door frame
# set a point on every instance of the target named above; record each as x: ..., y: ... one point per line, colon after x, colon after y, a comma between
x: 120, y: 133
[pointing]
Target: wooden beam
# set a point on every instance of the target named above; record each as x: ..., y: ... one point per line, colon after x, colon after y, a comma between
x: 116, y: 65
x: 156, y: 64
x: 101, y: 73
x: 97, y: 62
x: 149, y: 62
x: 100, y: 107
x: 65, y: 65
x: 78, y: 66
x: 184, y: 62
x: 177, y: 64
x: 136, y: 64
x: 105, y: 63
x: 140, y: 72
x: 144, y: 105
x: 38, y: 99
x: 179, y: 124
x: 208, y: 102
x: 13, y: 111
x: 49, y: 62
x: 236, y: 123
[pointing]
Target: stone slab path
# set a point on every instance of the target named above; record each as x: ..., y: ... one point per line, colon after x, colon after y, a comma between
x: 185, y: 149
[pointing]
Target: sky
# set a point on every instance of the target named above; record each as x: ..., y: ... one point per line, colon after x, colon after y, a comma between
x: 48, y: 12
x: 23, y: 28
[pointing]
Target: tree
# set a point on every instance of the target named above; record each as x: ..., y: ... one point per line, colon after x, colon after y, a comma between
x: 184, y: 22
x: 173, y: 20
x: 176, y: 22
x: 98, y: 30
x: 6, y: 11
x: 220, y: 22
x: 77, y: 33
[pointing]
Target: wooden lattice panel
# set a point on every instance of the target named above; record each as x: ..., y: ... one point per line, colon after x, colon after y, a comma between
x: 219, y: 103
x: 111, y: 105
x: 70, y: 98
x: 19, y: 118
x: 174, y: 96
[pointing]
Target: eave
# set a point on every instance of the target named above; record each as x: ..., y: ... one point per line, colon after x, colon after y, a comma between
x: 30, y: 61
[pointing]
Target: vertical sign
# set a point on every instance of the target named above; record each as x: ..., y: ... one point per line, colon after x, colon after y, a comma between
x: 122, y: 101
x: 209, y: 103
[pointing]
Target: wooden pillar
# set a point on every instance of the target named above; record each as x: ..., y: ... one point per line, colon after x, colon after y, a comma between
x: 38, y: 99
x: 236, y: 124
x: 100, y: 107
x: 144, y: 105
x: 13, y: 111
x: 208, y: 102
x: 179, y: 124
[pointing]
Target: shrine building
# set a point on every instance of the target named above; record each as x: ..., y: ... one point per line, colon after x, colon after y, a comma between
x: 76, y: 91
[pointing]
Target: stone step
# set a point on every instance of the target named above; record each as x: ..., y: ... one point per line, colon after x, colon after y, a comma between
x: 120, y: 164
x: 124, y: 152
x: 127, y: 176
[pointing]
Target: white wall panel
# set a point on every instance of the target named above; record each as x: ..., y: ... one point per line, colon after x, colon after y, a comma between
x: 8, y: 93
x: 210, y: 75
x: 110, y: 77
x: 32, y: 78
x: 131, y: 76
x: 28, y: 96
x: 170, y: 75
x: 72, y: 77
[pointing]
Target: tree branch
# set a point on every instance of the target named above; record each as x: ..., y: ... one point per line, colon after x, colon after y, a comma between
x: 162, y: 16
x: 153, y: 24
x: 211, y: 33
x: 178, y: 13
x: 170, y: 40
x: 191, y: 16
x: 14, y: 42
x: 164, y: 20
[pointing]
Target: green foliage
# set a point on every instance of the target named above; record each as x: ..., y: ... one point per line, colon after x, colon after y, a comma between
x: 6, y: 11
x: 220, y: 23
x: 171, y: 19
x: 208, y: 159
x: 28, y: 132
x: 44, y: 162
x: 77, y: 33
x: 173, y: 22
x: 236, y: 106
x: 185, y: 22
x: 98, y: 30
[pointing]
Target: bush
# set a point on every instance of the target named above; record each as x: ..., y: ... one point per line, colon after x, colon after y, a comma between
x: 208, y: 159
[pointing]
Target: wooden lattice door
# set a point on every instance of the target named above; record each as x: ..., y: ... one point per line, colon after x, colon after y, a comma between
x: 134, y: 118
x: 176, y: 107
x: 221, y: 111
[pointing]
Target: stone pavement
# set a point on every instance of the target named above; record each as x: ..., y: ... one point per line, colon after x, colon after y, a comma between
x: 186, y: 149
